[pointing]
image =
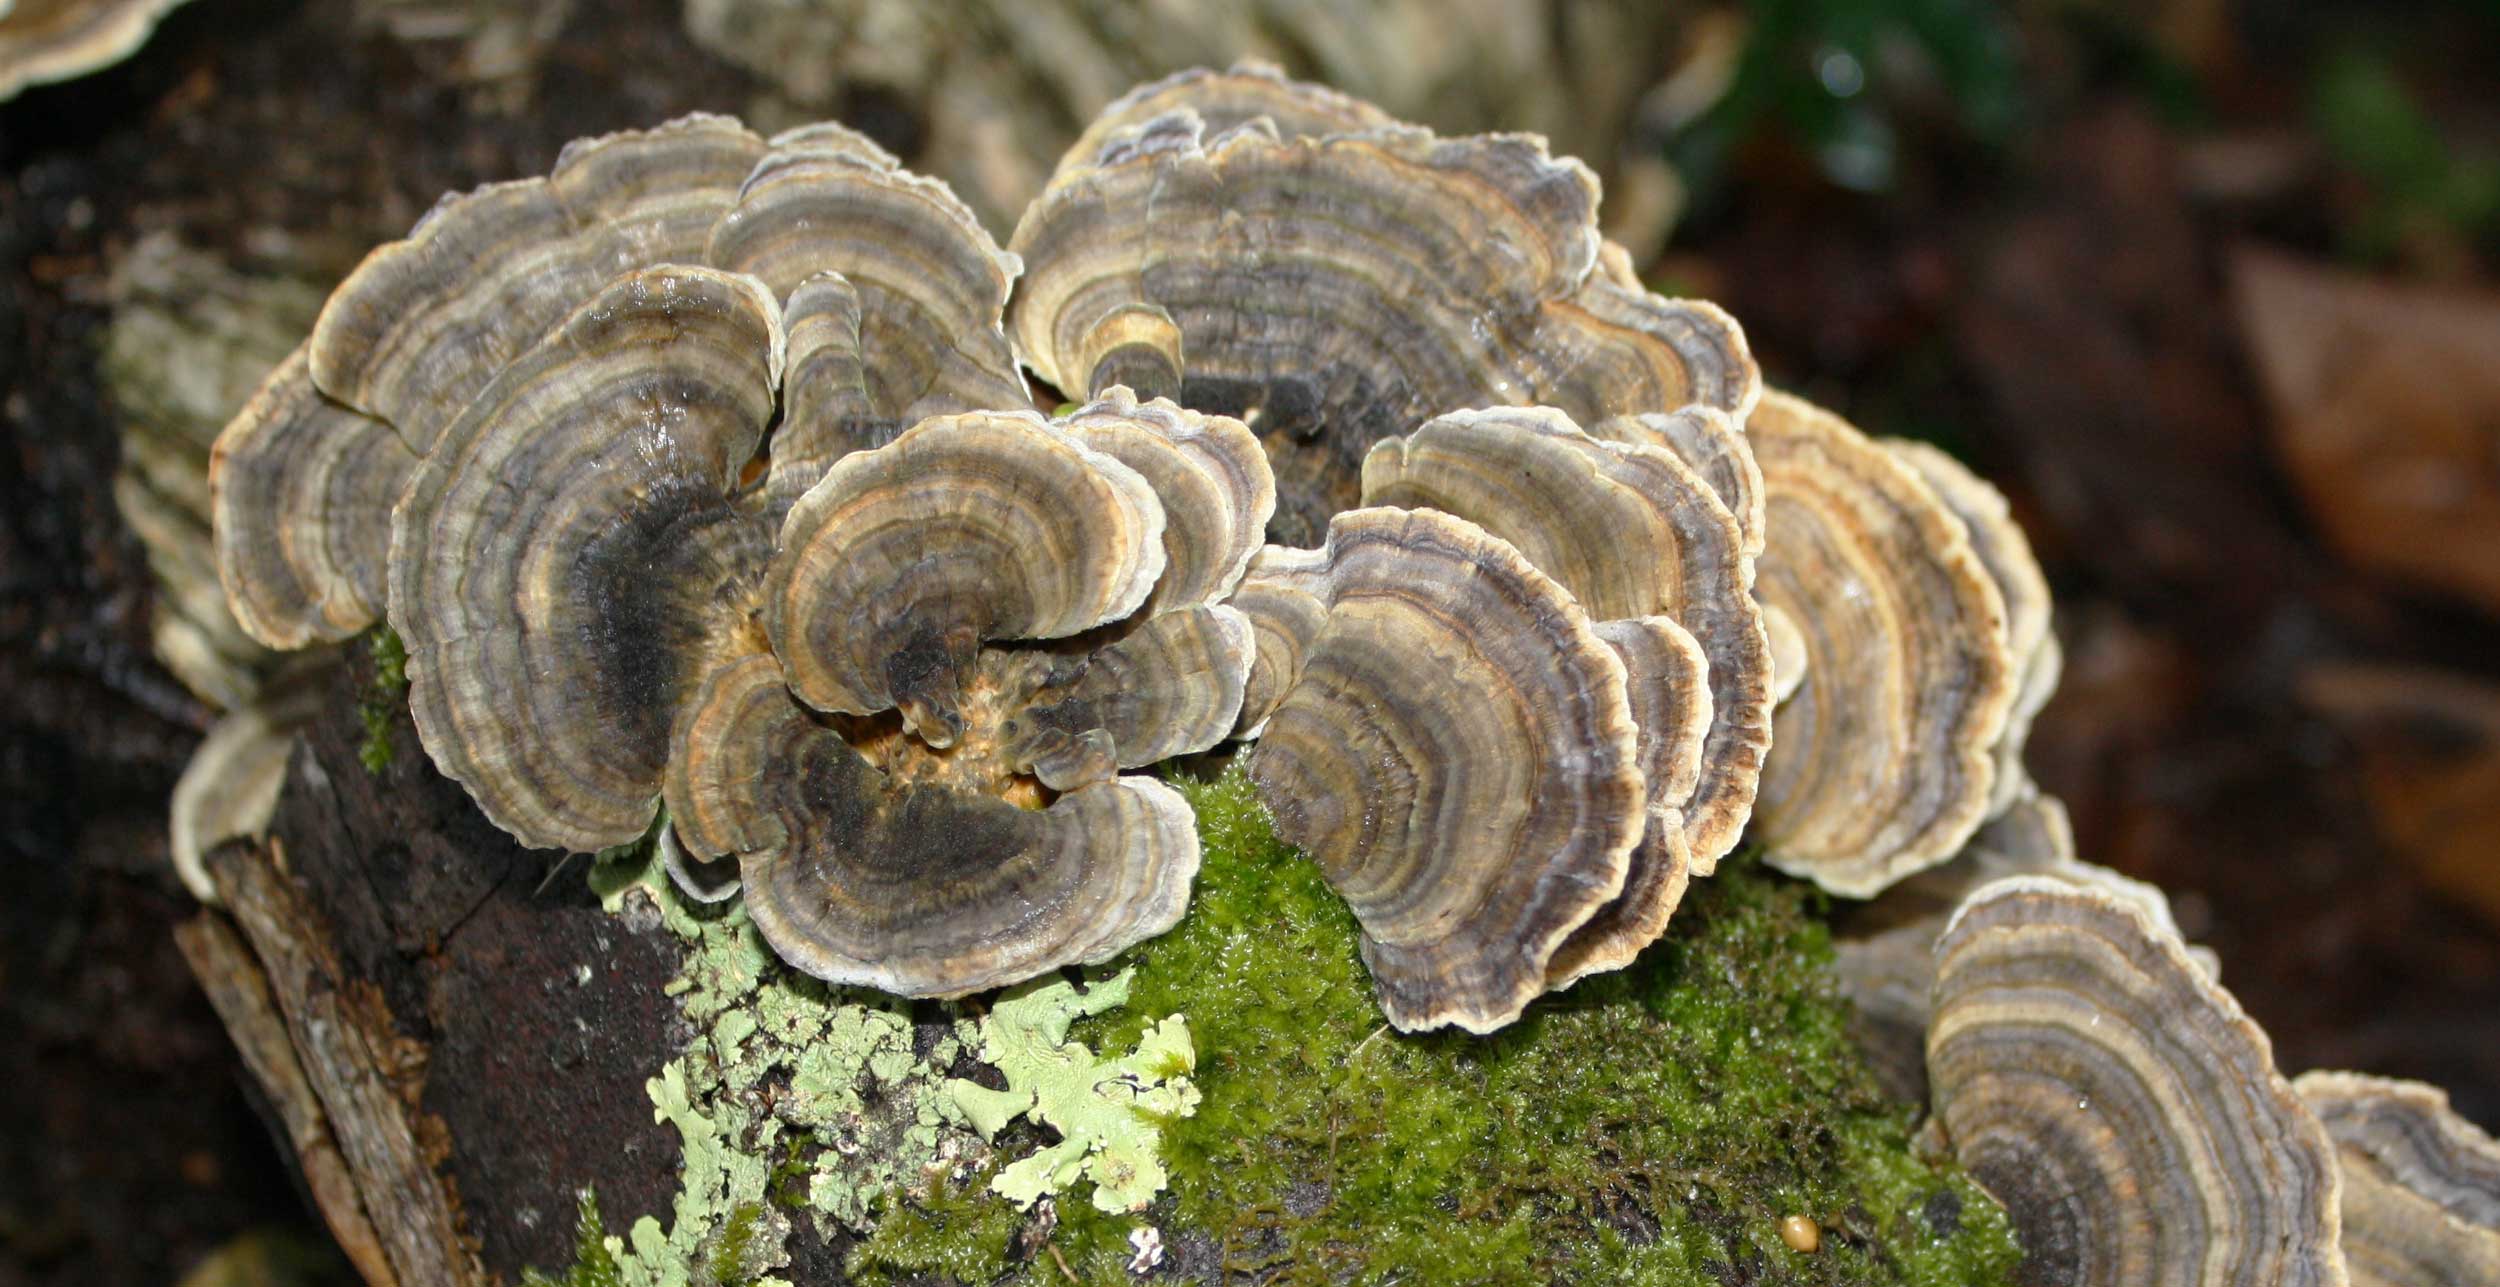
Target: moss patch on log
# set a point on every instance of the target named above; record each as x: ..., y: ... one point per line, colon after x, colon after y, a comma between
x: 381, y: 707
x: 1649, y: 1126
x: 1654, y: 1125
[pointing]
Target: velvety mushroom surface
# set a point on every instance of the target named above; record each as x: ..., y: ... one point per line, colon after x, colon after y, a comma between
x: 701, y: 470
x: 1885, y: 757
x: 1456, y: 749
x: 1256, y: 248
x: 891, y: 296
x: 2006, y: 552
x: 50, y: 40
x: 1630, y: 531
x: 2421, y: 1185
x: 2120, y: 1105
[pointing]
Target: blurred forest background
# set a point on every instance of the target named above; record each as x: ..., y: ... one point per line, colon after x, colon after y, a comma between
x: 2207, y: 288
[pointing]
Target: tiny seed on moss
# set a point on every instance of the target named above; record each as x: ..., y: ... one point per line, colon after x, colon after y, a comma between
x: 1801, y: 1233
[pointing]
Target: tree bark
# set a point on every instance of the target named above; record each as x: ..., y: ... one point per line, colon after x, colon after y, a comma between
x: 454, y: 1033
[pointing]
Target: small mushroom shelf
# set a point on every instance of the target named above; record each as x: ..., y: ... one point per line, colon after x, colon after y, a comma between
x: 703, y: 471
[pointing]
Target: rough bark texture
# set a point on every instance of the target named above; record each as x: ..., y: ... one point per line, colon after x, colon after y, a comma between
x: 466, y: 1034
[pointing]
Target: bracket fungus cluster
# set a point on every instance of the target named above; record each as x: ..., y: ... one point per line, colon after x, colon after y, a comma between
x: 701, y: 470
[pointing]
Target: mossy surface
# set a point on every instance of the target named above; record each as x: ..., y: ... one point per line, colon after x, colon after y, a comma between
x: 1652, y: 1126
x: 382, y: 704
x: 1649, y: 1126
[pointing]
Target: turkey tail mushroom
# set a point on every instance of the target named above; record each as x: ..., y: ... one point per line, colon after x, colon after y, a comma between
x: 2421, y: 1185
x: 1457, y: 752
x: 1884, y: 760
x: 2119, y: 1102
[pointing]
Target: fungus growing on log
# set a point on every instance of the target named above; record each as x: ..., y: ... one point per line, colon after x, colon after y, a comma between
x: 1884, y: 759
x: 1457, y: 751
x: 42, y: 41
x: 699, y: 398
x: 2119, y: 1103
x: 2421, y: 1185
x: 1336, y: 288
x: 967, y: 600
x: 895, y: 318
x: 656, y: 514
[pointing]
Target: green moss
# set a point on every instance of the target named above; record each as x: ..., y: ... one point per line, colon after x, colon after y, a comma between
x: 381, y: 705
x: 962, y: 1232
x: 1649, y: 1126
x: 592, y: 1266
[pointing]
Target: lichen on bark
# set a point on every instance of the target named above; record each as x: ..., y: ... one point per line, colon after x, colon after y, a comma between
x: 1653, y: 1125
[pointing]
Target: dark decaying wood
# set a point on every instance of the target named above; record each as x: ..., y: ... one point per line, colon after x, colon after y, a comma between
x: 455, y: 1035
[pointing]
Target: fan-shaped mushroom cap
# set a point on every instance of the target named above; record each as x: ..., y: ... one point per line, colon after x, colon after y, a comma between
x: 570, y: 562
x: 1883, y: 762
x: 2006, y: 552
x: 1458, y: 754
x: 1164, y: 685
x: 1713, y: 443
x: 929, y: 286
x: 230, y: 786
x: 1335, y: 290
x: 1213, y: 479
x: 1629, y: 531
x: 902, y: 562
x: 2120, y: 1105
x: 1884, y: 952
x: 300, y: 494
x: 705, y: 880
x: 2421, y: 1186
x: 1665, y: 676
x: 425, y: 323
x: 1248, y: 90
x: 923, y: 890
x: 42, y: 41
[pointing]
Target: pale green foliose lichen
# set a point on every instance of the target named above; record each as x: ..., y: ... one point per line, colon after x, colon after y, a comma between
x: 792, y: 1095
x: 1109, y: 1113
x: 798, y: 1096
